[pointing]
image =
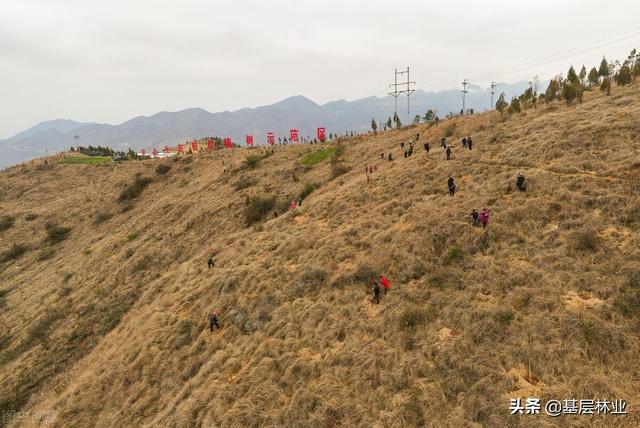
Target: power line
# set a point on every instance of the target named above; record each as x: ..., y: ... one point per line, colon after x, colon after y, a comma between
x: 561, y: 55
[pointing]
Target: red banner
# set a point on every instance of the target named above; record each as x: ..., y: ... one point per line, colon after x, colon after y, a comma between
x: 249, y: 140
x: 143, y: 152
x: 227, y: 143
x: 180, y: 148
x: 154, y: 152
x: 271, y: 139
x: 194, y: 146
x: 293, y: 134
x: 321, y: 134
x: 210, y: 145
x: 166, y: 150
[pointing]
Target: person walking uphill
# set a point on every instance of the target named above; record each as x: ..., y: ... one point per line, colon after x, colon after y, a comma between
x: 213, y: 321
x: 484, y: 217
x: 451, y: 184
x: 210, y: 263
x: 385, y: 283
x: 448, y: 152
x: 520, y: 182
x: 376, y: 292
x: 475, y: 218
x: 469, y: 142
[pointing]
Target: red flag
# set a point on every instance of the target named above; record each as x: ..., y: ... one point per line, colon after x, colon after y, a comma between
x: 180, y: 148
x: 227, y: 143
x: 293, y: 134
x: 210, y: 145
x: 321, y: 134
x: 166, y: 150
x: 271, y: 139
x: 194, y: 146
x: 249, y: 140
x: 154, y: 152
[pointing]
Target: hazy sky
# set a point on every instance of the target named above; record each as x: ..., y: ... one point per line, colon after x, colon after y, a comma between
x: 108, y: 61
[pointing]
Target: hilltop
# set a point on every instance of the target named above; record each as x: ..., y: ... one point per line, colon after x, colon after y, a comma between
x: 173, y: 128
x: 105, y: 291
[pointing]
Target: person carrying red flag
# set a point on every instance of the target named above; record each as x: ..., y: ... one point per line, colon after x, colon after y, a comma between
x: 385, y: 283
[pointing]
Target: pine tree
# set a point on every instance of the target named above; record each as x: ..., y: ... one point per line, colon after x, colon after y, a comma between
x: 429, y: 115
x: 501, y: 104
x: 552, y: 91
x: 603, y: 71
x: 374, y: 126
x: 416, y: 119
x: 593, y: 77
x: 515, y: 106
x: 624, y: 76
x: 572, y: 77
x: 570, y: 92
x: 636, y: 69
x: 583, y: 74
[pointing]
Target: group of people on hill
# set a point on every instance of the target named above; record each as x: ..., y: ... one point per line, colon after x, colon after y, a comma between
x: 381, y: 280
x: 482, y: 217
x: 477, y: 218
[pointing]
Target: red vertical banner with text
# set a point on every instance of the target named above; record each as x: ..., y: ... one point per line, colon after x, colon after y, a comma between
x: 227, y: 143
x: 154, y: 152
x: 166, y: 150
x: 249, y: 140
x: 194, y: 146
x: 293, y: 135
x: 210, y: 145
x: 271, y: 139
x: 180, y: 148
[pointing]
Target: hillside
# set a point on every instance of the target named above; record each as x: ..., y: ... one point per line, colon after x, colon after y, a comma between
x: 104, y: 302
x: 174, y: 128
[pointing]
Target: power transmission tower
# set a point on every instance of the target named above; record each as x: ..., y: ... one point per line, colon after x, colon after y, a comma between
x: 536, y: 83
x: 493, y: 92
x: 407, y: 91
x: 464, y: 93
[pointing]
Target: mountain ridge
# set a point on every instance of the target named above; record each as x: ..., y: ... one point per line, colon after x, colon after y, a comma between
x: 174, y: 127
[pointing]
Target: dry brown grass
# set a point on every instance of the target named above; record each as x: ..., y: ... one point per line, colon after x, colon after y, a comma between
x: 111, y: 331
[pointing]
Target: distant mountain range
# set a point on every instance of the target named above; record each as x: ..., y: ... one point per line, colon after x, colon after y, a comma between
x: 171, y: 128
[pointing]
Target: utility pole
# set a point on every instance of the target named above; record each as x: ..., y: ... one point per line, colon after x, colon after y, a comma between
x: 395, y: 92
x: 407, y: 91
x: 464, y: 93
x: 493, y: 92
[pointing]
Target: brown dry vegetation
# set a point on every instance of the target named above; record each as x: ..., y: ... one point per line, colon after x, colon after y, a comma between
x: 109, y: 330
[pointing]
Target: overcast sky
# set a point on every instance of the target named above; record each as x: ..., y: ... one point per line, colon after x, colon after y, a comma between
x: 109, y: 61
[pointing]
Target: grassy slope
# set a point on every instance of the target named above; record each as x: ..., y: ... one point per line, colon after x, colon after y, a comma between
x: 108, y: 327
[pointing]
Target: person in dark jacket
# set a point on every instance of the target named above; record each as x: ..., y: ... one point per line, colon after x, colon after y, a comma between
x: 210, y: 263
x: 448, y: 152
x: 426, y: 147
x: 213, y: 321
x: 452, y: 186
x: 475, y: 218
x: 464, y: 142
x: 520, y: 182
x: 376, y: 292
x: 469, y: 142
